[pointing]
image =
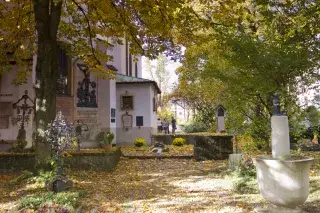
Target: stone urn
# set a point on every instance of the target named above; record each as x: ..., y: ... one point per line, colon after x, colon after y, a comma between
x: 283, y: 179
x: 284, y: 183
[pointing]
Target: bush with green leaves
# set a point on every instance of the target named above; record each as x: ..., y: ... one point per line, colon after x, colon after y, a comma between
x: 24, y: 176
x: 195, y: 127
x: 63, y: 201
x: 140, y: 142
x: 178, y: 141
x: 105, y: 138
x: 244, y: 179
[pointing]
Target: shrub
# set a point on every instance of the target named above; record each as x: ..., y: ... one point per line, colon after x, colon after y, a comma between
x: 105, y: 138
x: 67, y: 200
x: 24, y: 176
x: 244, y: 179
x: 178, y: 141
x: 249, y: 145
x: 140, y: 142
x: 19, y: 145
x: 194, y: 127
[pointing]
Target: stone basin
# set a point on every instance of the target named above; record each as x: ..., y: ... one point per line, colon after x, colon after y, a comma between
x: 284, y: 182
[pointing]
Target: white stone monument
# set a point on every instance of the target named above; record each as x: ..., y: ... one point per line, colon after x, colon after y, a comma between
x: 221, y: 112
x: 283, y: 179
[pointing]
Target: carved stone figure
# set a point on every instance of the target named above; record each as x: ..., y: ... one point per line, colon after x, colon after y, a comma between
x: 276, y: 105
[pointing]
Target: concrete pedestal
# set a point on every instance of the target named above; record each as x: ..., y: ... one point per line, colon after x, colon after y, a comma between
x: 235, y: 161
x: 280, y: 136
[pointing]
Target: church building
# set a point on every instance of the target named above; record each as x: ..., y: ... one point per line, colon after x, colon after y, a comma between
x: 125, y: 105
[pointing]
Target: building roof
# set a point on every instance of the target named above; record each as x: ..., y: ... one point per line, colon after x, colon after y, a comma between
x: 111, y: 67
x: 124, y: 79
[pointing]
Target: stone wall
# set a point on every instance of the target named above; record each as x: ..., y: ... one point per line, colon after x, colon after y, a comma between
x: 11, y: 162
x: 212, y: 147
x: 95, y: 161
x: 207, y: 146
x: 105, y: 161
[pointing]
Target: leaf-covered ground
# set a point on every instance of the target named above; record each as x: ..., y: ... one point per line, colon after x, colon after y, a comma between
x: 153, y: 185
x: 168, y: 185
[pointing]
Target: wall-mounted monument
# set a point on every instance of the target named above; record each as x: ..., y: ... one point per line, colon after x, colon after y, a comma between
x: 86, y: 91
x: 220, y: 114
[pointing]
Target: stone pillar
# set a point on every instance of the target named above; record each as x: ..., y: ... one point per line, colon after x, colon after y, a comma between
x: 107, y: 106
x: 280, y: 136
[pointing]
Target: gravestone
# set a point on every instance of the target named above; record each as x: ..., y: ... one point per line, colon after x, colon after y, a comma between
x: 221, y: 112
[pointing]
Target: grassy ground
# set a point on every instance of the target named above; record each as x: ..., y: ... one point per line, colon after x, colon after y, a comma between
x: 152, y: 185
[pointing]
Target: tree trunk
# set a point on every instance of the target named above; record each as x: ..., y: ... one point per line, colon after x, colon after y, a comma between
x: 47, y: 16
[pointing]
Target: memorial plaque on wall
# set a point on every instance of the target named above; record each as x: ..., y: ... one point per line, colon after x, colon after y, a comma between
x: 139, y: 121
x: 66, y: 106
x: 88, y: 116
x: 127, y: 120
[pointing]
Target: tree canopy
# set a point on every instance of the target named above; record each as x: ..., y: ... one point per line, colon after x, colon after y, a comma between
x: 250, y: 50
x: 38, y: 27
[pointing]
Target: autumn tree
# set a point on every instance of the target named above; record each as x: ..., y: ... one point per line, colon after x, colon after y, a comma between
x: 252, y: 49
x: 36, y: 27
x: 158, y: 72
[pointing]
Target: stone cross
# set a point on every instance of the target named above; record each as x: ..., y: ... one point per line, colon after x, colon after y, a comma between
x: 221, y: 111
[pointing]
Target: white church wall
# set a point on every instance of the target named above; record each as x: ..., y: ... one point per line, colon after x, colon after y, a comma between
x: 12, y: 93
x: 142, y: 107
x: 107, y: 101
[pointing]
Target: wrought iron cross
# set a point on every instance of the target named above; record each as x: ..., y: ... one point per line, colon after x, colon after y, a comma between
x: 23, y: 112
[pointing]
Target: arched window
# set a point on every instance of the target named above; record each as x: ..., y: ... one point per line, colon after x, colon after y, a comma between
x: 220, y: 112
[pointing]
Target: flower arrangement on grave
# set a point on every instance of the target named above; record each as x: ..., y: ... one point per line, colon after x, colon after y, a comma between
x: 105, y: 139
x: 178, y: 141
x: 139, y: 142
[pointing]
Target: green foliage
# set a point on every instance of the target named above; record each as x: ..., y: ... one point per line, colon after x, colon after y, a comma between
x: 18, y: 145
x: 244, y: 179
x: 24, y: 176
x: 257, y: 52
x: 312, y: 116
x: 105, y: 138
x: 69, y: 200
x: 165, y: 113
x: 139, y: 142
x: 249, y: 145
x: 44, y: 177
x: 195, y: 126
x: 178, y: 141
